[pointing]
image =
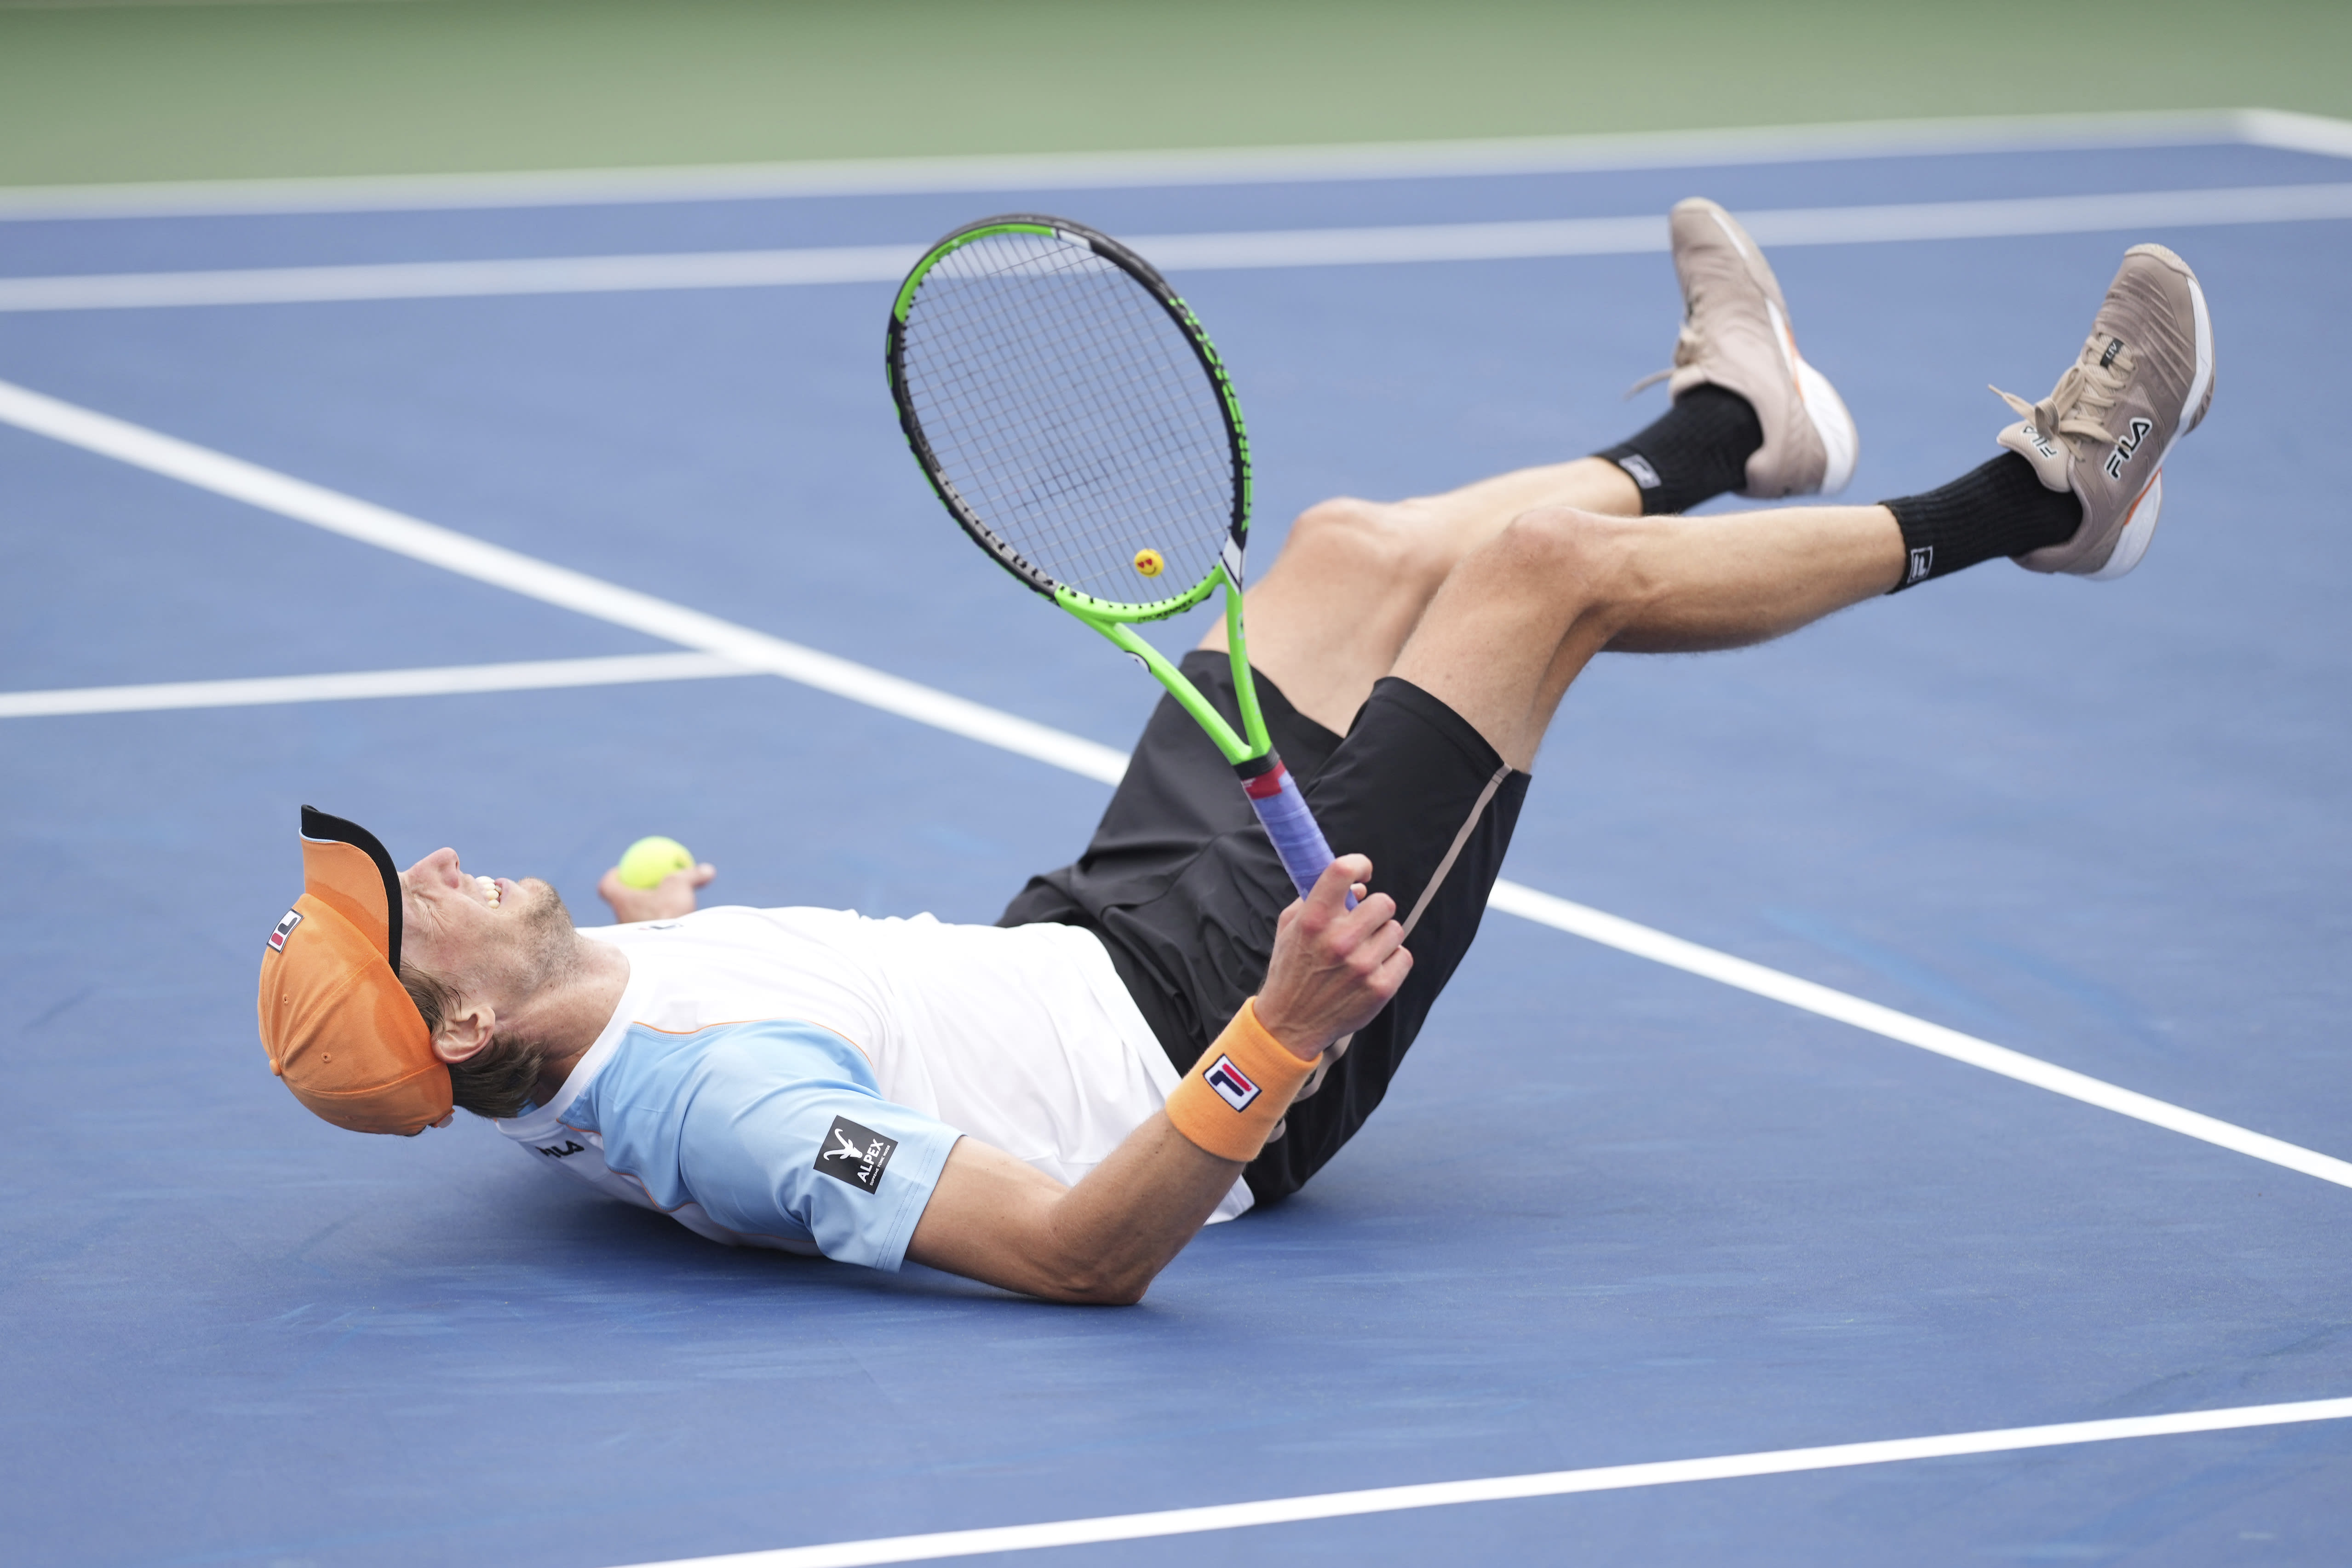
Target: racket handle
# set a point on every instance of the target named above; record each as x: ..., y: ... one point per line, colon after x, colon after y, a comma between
x: 1289, y: 823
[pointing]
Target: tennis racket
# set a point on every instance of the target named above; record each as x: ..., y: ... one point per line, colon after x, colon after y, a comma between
x: 1074, y: 417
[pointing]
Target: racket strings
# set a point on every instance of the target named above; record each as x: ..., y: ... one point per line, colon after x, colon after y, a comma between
x: 1071, y: 414
x: 1015, y: 335
x: 1083, y: 493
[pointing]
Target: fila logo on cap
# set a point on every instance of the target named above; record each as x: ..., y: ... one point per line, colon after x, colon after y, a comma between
x: 285, y: 929
x: 1233, y: 1085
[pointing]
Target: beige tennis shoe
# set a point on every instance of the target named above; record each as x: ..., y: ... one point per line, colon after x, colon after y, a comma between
x: 2144, y: 380
x: 1735, y: 335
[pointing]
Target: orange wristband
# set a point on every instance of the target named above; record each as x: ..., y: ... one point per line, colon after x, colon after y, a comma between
x: 1237, y: 1093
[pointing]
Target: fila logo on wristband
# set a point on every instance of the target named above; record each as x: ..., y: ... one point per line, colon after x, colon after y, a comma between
x: 1922, y: 558
x: 1233, y: 1085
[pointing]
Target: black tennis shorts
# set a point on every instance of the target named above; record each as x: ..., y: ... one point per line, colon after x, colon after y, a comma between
x: 1184, y: 886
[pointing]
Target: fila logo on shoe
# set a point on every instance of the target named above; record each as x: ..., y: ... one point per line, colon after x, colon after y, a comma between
x: 2128, y: 446
x: 2041, y: 443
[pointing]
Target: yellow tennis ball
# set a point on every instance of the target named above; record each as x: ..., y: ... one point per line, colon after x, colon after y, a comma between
x: 644, y: 863
x: 1149, y: 562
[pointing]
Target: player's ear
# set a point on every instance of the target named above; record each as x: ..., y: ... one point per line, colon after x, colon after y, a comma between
x: 466, y: 1031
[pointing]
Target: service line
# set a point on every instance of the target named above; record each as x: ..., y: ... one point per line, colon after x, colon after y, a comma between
x: 442, y: 680
x: 419, y: 541
x: 742, y: 648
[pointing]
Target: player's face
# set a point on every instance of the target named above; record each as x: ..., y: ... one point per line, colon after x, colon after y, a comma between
x: 481, y: 931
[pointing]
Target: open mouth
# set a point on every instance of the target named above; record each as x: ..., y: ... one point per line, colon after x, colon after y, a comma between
x: 492, y: 889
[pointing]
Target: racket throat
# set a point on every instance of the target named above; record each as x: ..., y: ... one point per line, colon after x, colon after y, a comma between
x: 1231, y: 743
x: 1253, y: 733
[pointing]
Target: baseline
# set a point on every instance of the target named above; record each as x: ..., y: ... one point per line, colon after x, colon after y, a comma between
x: 1236, y: 250
x: 2284, y: 130
x: 1506, y: 1488
x: 739, y: 646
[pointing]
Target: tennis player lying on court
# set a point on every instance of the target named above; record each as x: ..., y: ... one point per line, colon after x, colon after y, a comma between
x: 1161, y: 1034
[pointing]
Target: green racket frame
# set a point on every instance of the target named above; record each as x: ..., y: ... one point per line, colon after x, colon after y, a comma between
x: 1113, y: 620
x: 1248, y: 746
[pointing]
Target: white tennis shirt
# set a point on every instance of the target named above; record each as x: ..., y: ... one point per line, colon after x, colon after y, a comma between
x: 746, y: 1038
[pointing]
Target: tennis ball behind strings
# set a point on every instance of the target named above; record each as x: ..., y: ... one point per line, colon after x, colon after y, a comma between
x: 644, y: 863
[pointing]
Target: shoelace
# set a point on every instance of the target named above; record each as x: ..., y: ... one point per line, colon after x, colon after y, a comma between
x: 2076, y: 404
x: 1688, y: 345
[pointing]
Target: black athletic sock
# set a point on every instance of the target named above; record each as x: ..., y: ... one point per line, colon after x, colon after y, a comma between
x: 2001, y: 509
x: 1694, y: 452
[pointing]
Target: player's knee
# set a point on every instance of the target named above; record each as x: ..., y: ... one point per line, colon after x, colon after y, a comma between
x: 1560, y: 547
x: 1348, y: 535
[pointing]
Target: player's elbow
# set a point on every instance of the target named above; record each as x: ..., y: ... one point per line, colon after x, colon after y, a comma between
x: 1106, y: 1296
x: 1101, y: 1291
x: 1086, y: 1286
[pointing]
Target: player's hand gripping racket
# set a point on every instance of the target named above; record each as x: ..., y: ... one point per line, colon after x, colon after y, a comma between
x: 1071, y: 413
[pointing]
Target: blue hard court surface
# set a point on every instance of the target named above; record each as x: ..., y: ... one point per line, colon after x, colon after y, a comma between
x: 1612, y: 1213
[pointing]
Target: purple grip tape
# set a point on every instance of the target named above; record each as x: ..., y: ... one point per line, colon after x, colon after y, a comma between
x: 1288, y: 822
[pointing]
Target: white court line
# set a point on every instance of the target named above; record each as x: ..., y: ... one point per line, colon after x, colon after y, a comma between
x: 1778, y: 228
x: 1507, y: 1488
x: 1643, y: 942
x: 446, y: 681
x: 523, y: 574
x: 462, y: 280
x: 1194, y: 166
x: 420, y: 541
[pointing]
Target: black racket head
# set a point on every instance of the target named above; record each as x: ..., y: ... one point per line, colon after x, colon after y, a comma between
x: 1072, y: 415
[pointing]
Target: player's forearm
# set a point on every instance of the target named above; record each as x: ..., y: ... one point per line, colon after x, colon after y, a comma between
x: 1136, y: 1211
x: 994, y: 1219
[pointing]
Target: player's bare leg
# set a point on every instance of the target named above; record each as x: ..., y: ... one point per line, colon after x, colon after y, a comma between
x: 2077, y: 491
x: 1519, y: 619
x: 1749, y: 415
x: 1331, y: 615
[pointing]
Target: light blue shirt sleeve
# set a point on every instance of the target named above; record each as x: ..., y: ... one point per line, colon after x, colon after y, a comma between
x: 775, y: 1128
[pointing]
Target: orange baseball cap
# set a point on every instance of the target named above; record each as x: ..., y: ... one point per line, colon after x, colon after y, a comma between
x: 338, y: 1026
